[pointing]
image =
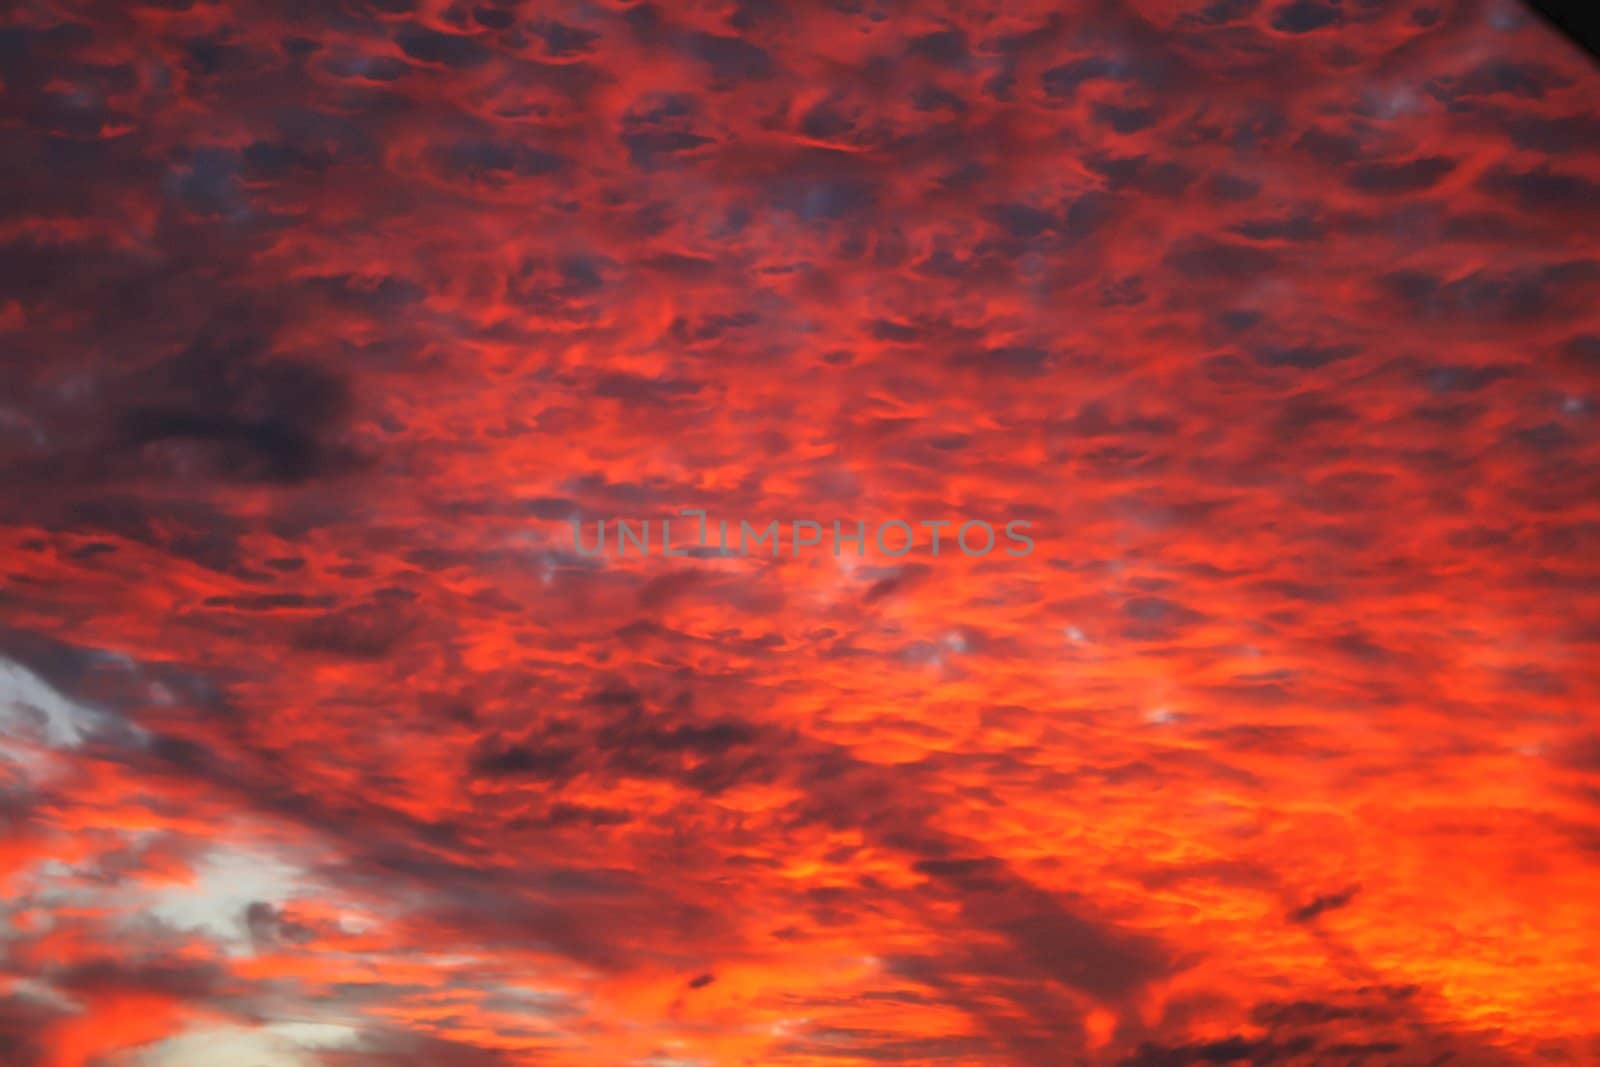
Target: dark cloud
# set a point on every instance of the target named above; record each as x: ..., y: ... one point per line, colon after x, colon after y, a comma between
x: 1323, y: 904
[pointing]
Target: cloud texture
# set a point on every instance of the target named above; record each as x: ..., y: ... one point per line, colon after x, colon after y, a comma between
x: 322, y: 746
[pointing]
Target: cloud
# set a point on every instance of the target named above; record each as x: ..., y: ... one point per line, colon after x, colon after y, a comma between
x: 321, y: 746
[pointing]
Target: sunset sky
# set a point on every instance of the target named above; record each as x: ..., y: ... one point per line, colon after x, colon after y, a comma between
x: 321, y: 745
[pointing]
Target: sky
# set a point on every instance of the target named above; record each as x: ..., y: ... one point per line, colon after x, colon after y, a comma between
x: 323, y: 742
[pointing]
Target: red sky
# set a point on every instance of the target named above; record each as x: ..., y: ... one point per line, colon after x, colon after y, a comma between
x: 320, y: 746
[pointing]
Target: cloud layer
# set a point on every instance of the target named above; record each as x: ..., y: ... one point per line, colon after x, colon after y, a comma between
x: 321, y: 745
